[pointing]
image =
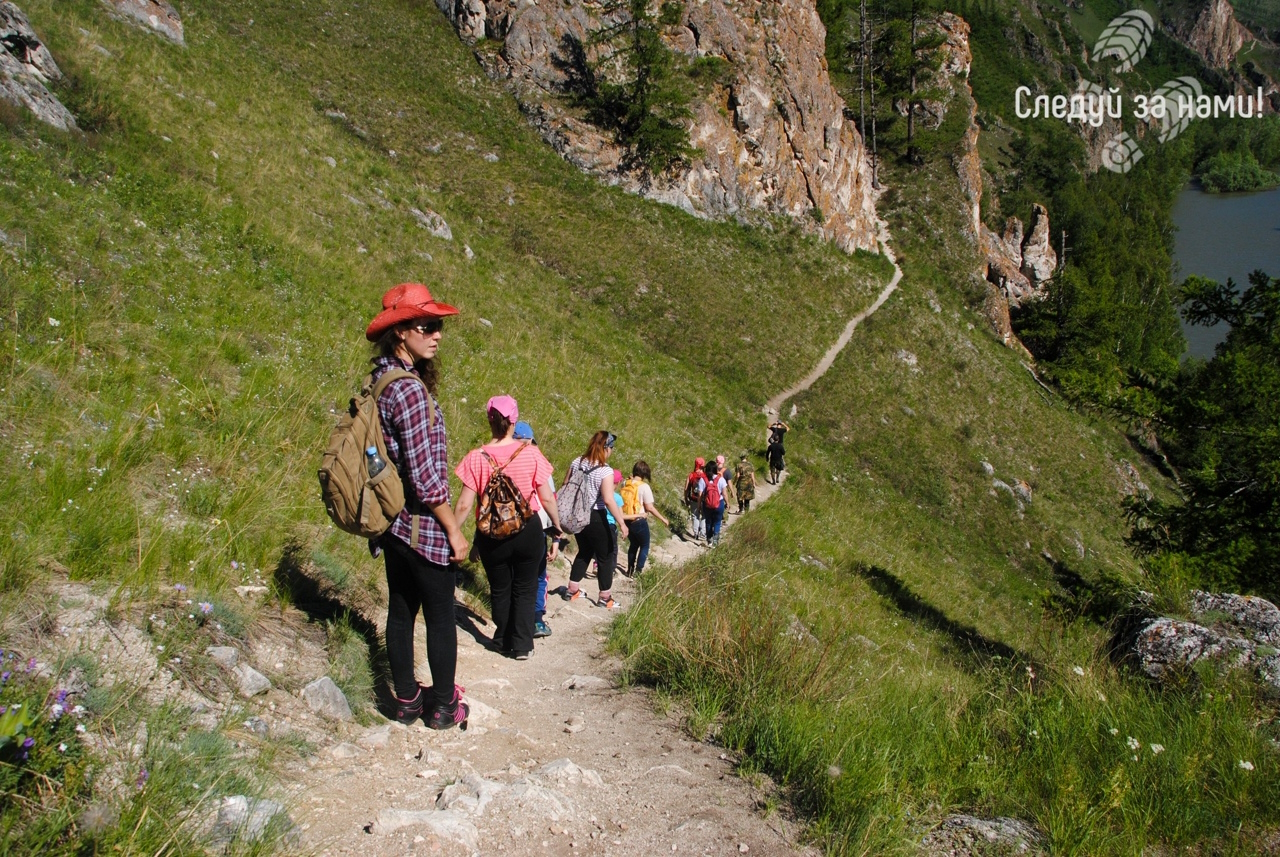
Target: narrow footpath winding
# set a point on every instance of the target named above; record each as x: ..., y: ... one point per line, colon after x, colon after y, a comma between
x: 558, y: 759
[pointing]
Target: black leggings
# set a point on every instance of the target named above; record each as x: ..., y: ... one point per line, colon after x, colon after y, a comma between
x: 598, y: 541
x: 512, y: 566
x: 412, y: 583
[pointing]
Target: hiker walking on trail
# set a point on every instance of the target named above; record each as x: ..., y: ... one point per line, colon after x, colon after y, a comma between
x: 744, y: 480
x: 506, y: 475
x: 693, y: 487
x: 524, y: 432
x: 775, y: 454
x: 424, y: 538
x: 730, y: 495
x: 597, y: 540
x: 713, y: 503
x: 637, y: 506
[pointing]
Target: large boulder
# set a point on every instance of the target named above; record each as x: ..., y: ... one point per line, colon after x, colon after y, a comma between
x: 1234, y: 631
x: 26, y: 66
x: 772, y: 133
x: 157, y: 16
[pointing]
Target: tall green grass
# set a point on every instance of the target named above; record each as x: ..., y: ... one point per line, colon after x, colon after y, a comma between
x: 895, y: 639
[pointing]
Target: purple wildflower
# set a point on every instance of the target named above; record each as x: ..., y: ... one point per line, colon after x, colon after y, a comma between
x: 31, y: 664
x: 28, y: 744
x: 3, y: 709
x: 57, y: 711
x: 234, y: 564
x: 180, y: 587
x: 4, y: 676
x: 143, y: 776
x: 206, y: 608
x: 61, y: 698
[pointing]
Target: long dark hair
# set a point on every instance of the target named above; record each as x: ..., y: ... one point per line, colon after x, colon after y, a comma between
x: 428, y: 369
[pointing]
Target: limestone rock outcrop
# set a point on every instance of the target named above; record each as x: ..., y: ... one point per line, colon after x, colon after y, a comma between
x: 155, y: 15
x: 1217, y: 36
x: 772, y: 133
x: 26, y: 66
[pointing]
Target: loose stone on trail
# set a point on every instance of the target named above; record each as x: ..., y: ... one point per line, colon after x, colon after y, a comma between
x: 324, y: 697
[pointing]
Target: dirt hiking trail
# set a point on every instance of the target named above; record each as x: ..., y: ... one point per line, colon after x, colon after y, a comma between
x: 557, y: 758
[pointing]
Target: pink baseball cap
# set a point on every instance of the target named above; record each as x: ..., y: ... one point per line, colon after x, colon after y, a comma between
x: 504, y: 405
x: 617, y: 476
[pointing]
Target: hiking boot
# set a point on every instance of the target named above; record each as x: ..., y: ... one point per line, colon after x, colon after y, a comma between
x: 610, y: 604
x: 453, y: 714
x: 409, y: 710
x: 521, y: 656
x: 574, y: 596
x: 541, y: 629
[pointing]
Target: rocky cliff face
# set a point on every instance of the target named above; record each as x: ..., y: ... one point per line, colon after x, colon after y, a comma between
x: 1217, y: 36
x: 773, y: 139
x: 1018, y: 263
x: 25, y: 67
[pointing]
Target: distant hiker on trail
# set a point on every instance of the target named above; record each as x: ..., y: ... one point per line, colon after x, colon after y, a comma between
x: 730, y: 496
x: 774, y: 456
x: 777, y: 431
x: 425, y: 536
x: 524, y: 432
x: 637, y: 506
x: 744, y: 479
x: 693, y: 487
x: 713, y: 502
x: 509, y: 534
x: 597, y: 540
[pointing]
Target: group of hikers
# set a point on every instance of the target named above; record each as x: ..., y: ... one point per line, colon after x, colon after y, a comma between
x: 710, y: 488
x: 522, y: 521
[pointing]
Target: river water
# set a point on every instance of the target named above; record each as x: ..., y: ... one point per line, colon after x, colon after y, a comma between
x: 1223, y: 235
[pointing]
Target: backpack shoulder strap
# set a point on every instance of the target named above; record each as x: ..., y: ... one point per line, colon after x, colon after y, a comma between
x: 377, y: 388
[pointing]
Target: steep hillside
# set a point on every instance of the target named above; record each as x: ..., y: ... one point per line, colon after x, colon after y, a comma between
x: 186, y: 287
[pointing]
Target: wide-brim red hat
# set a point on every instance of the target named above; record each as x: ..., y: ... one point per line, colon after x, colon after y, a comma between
x: 406, y: 302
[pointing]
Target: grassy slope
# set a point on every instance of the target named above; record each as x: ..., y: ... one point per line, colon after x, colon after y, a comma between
x: 210, y: 310
x: 212, y: 288
x: 889, y: 639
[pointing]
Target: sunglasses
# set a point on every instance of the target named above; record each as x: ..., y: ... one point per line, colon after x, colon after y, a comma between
x: 427, y: 328
x: 610, y: 440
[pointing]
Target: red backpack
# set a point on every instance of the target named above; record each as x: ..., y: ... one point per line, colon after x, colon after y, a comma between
x: 711, y: 497
x: 692, y: 492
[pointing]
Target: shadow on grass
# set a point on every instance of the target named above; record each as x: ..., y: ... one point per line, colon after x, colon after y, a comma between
x: 968, y: 644
x: 321, y: 599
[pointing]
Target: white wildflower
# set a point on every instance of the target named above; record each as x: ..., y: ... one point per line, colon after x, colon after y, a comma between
x: 1133, y: 743
x: 53, y: 322
x: 1114, y: 731
x: 1078, y: 670
x: 1246, y: 766
x: 1157, y: 749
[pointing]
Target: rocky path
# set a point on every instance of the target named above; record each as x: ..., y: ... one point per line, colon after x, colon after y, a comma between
x: 557, y: 760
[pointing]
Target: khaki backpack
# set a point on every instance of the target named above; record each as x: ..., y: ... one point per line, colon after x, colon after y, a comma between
x: 503, y: 510
x: 356, y: 503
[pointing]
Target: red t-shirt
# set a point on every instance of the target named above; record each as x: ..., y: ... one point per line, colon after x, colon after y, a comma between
x: 527, y: 470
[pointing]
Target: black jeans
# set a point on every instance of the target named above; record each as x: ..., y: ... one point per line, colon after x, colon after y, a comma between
x: 413, y: 583
x: 513, y: 566
x: 597, y: 541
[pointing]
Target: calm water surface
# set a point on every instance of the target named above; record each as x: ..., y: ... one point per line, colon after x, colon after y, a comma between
x: 1223, y: 235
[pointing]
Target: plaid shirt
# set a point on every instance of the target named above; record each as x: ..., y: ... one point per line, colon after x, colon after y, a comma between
x: 418, y: 452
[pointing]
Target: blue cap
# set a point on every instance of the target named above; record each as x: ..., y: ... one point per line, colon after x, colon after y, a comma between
x: 523, y: 431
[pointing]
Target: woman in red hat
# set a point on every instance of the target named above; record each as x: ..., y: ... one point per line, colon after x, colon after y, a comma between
x: 425, y: 537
